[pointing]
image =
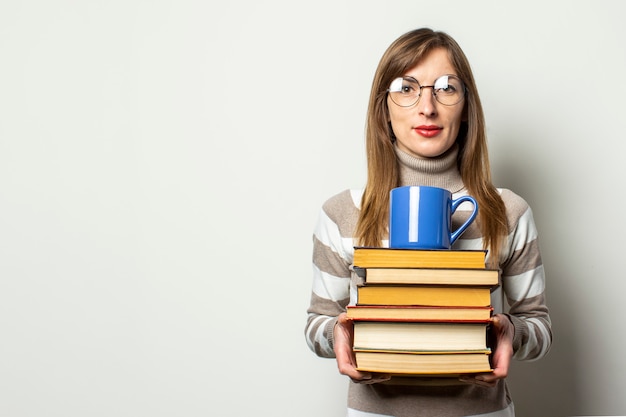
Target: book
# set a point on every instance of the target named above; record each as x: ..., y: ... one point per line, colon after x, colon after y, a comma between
x: 422, y: 312
x: 424, y: 295
x: 420, y: 336
x: 421, y: 363
x: 419, y: 313
x: 367, y: 257
x: 442, y: 276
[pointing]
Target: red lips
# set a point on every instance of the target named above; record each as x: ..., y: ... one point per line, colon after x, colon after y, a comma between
x: 428, y: 131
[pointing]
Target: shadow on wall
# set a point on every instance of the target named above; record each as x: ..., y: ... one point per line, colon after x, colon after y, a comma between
x: 545, y: 388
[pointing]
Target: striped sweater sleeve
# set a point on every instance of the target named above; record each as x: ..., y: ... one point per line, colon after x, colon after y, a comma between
x: 523, y: 281
x: 332, y: 257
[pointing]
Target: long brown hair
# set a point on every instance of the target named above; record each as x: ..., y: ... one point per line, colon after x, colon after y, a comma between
x: 382, y: 166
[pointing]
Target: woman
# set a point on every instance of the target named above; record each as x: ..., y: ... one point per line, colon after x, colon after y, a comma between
x: 425, y: 126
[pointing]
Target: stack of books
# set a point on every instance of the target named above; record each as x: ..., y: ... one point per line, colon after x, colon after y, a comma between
x: 422, y: 312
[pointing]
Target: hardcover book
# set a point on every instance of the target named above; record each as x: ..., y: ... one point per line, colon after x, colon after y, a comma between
x: 367, y: 257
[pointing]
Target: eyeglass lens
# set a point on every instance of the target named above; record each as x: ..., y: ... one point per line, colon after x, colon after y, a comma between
x: 447, y: 90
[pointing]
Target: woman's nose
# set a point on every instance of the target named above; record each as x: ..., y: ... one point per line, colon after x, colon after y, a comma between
x: 426, y: 104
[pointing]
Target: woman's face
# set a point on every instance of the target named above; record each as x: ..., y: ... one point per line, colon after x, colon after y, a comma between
x: 428, y: 128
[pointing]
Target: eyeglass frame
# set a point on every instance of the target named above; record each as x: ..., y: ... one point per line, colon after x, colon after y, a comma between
x: 432, y: 87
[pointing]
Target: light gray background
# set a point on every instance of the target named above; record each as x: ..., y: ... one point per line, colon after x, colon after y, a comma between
x: 162, y: 164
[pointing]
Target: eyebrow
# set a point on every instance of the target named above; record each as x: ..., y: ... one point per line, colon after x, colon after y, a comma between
x: 442, y: 75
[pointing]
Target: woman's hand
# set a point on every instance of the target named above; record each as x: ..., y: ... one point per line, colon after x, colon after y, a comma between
x: 502, y: 332
x: 343, y: 335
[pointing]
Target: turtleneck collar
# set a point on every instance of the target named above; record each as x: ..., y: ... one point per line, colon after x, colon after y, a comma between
x: 441, y: 171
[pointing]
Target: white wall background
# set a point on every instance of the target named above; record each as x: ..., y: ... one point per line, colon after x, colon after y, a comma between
x: 162, y: 164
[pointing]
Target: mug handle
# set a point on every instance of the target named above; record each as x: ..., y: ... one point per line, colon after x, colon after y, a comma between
x: 455, y: 204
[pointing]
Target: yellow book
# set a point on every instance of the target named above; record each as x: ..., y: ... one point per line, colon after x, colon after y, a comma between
x: 424, y: 295
x: 441, y: 276
x: 367, y: 257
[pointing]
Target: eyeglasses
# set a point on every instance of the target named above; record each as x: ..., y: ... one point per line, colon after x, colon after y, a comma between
x: 447, y: 90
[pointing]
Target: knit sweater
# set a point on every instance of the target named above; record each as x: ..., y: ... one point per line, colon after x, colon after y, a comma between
x: 520, y: 295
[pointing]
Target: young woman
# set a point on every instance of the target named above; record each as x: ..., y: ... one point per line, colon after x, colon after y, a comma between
x: 425, y: 126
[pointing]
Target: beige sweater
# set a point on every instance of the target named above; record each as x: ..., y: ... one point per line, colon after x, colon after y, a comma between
x: 521, y: 296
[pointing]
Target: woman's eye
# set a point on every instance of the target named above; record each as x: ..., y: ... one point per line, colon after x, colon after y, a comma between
x: 409, y: 87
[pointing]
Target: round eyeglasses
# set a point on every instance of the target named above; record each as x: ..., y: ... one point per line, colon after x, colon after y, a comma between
x: 447, y: 90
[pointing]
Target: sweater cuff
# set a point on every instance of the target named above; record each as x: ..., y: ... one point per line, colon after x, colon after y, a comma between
x: 520, y: 333
x: 330, y: 334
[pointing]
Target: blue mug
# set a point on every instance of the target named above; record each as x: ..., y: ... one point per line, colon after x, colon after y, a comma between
x: 420, y: 217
